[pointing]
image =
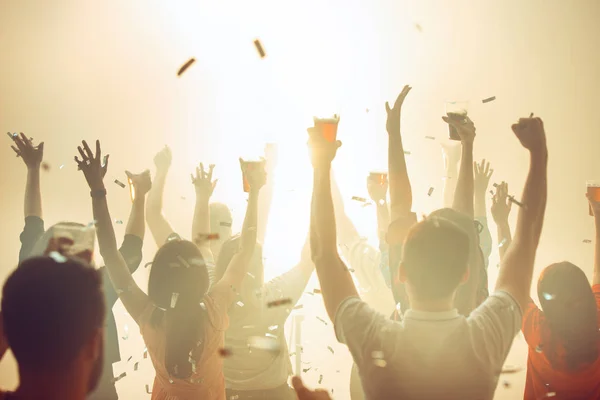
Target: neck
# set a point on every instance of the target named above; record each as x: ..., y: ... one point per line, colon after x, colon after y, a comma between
x: 64, y: 385
x: 439, y: 305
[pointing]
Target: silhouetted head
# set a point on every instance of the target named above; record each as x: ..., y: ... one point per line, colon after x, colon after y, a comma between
x: 81, y: 235
x: 178, y: 276
x: 569, y: 307
x: 255, y: 278
x: 435, y: 259
x: 53, y: 312
x: 220, y: 222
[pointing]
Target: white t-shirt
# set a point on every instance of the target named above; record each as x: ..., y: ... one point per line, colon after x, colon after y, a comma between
x: 430, y: 355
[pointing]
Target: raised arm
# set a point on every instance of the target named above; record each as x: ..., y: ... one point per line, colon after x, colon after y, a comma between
x: 501, y: 206
x: 158, y: 224
x: 346, y: 231
x: 266, y: 193
x: 142, y: 183
x: 32, y: 156
x: 94, y: 168
x: 463, y: 195
x: 238, y: 267
x: 334, y: 277
x: 596, y: 210
x: 400, y: 189
x: 516, y: 269
x: 451, y: 153
x: 483, y: 173
x: 204, y: 186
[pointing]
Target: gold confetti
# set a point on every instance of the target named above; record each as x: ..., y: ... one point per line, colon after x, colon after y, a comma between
x: 118, y: 378
x: 185, y: 66
x: 361, y: 199
x: 430, y: 191
x: 277, y: 303
x: 225, y: 352
x: 322, y: 320
x: 259, y: 48
x: 148, y: 389
x: 488, y: 99
x: 118, y: 182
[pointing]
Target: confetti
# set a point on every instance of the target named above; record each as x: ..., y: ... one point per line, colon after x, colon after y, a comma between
x: 419, y: 27
x: 61, y: 166
x: 118, y: 182
x: 430, y: 191
x: 203, y: 306
x: 305, y: 370
x: 126, y: 333
x: 270, y: 335
x: 225, y: 352
x: 135, y: 366
x: 317, y: 291
x: 174, y: 298
x: 322, y: 320
x: 587, y: 241
x: 273, y: 327
x: 502, y: 243
x: 118, y: 378
x: 548, y: 296
x: 204, y: 237
x: 45, y: 166
x: 147, y: 264
x: 361, y: 199
x: 56, y: 256
x: 185, y: 66
x: 226, y: 224
x: 320, y: 379
x: 506, y: 384
x: 148, y: 389
x: 330, y: 349
x: 118, y: 222
x: 551, y: 394
x: 250, y: 275
x: 298, y: 307
x: 264, y: 343
x: 367, y: 110
x: 129, y: 359
x: 145, y: 353
x: 488, y: 99
x: 430, y: 137
x: 240, y: 304
x: 236, y: 397
x: 182, y: 261
x: 277, y: 303
x: 380, y: 363
x: 377, y: 354
x: 538, y: 348
x: 259, y: 48
x: 407, y: 152
x: 512, y: 200
x: 510, y: 369
x: 531, y: 115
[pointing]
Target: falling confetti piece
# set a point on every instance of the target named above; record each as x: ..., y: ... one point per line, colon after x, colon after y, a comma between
x: 56, y: 256
x: 135, y: 366
x: 502, y: 243
x: 240, y: 304
x: 330, y: 349
x: 259, y: 48
x: 185, y: 66
x: 204, y: 237
x: 506, y: 384
x: 270, y: 335
x: 551, y: 394
x: 126, y: 336
x: 317, y: 291
x: 419, y: 27
x: 183, y: 262
x: 361, y: 199
x: 118, y: 182
x: 129, y: 359
x: 273, y: 327
x: 236, y: 397
x: 511, y: 369
x: 305, y: 370
x: 512, y: 200
x: 277, y: 303
x: 531, y: 115
x: 226, y: 224
x: 298, y: 307
x: 587, y: 241
x: 225, y: 352
x: 322, y: 320
x: 430, y: 137
x: 380, y: 363
x: 320, y: 379
x: 407, y: 152
x: 174, y: 298
x: 488, y: 99
x: 203, y: 306
x: 61, y: 166
x: 264, y: 343
x: 548, y: 296
x: 250, y: 275
x: 148, y: 389
x: 119, y: 222
x: 45, y: 166
x: 145, y: 353
x: 377, y: 354
x: 367, y: 110
x: 147, y: 264
x: 538, y: 348
x: 430, y: 191
x: 118, y: 378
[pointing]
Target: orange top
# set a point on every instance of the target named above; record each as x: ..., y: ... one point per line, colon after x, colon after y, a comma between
x: 545, y: 381
x: 207, y: 382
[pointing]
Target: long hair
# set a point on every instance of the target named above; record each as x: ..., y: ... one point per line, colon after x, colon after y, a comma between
x: 177, y: 284
x: 569, y: 307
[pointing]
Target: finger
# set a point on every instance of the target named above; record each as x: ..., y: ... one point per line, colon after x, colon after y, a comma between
x: 25, y: 139
x: 211, y: 168
x: 299, y: 386
x: 16, y: 150
x: 198, y: 176
x: 80, y: 164
x: 84, y: 157
x: 40, y: 147
x: 214, y: 184
x: 11, y: 136
x: 202, y: 173
x: 129, y: 174
x: 485, y: 167
x: 20, y: 145
x: 450, y: 121
x: 105, y: 164
x: 491, y: 172
x: 98, y: 151
x: 193, y: 180
x: 387, y: 107
x: 87, y: 149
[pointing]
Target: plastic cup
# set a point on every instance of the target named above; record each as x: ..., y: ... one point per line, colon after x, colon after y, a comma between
x: 84, y: 237
x: 456, y: 110
x: 328, y: 127
x: 248, y: 166
x: 131, y: 190
x: 593, y: 190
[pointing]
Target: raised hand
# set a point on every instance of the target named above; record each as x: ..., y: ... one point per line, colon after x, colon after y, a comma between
x: 142, y: 183
x: 465, y: 128
x: 32, y: 155
x: 255, y: 174
x: 501, y: 204
x: 483, y: 173
x: 203, y: 181
x: 163, y: 159
x: 531, y: 134
x: 94, y: 167
x: 377, y: 190
x: 305, y: 393
x: 321, y: 150
x: 393, y: 114
x: 594, y: 205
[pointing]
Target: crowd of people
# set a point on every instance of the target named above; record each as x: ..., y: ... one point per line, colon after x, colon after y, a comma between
x: 428, y: 327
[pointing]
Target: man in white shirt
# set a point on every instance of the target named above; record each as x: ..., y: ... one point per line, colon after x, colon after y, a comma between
x: 434, y: 352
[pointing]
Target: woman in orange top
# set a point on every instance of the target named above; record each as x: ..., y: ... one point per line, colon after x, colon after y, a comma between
x: 182, y: 320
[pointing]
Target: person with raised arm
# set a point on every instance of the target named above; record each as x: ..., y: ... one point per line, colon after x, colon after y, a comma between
x: 159, y: 226
x: 563, y: 337
x: 182, y: 321
x: 483, y: 173
x: 501, y: 206
x: 451, y: 154
x: 434, y: 352
x: 34, y: 241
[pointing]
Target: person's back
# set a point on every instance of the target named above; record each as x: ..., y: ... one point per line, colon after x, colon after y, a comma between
x: 563, y: 339
x: 53, y: 313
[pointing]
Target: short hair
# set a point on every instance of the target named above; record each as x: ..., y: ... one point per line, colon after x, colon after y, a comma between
x: 436, y: 254
x: 219, y: 213
x: 229, y: 249
x: 50, y: 309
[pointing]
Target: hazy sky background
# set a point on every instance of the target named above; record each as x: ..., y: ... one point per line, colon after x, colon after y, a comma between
x: 81, y: 69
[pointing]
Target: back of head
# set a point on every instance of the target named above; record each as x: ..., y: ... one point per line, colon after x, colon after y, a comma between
x: 256, y: 268
x: 220, y: 220
x: 40, y: 246
x: 179, y: 278
x: 51, y: 310
x: 570, y: 309
x: 435, y: 258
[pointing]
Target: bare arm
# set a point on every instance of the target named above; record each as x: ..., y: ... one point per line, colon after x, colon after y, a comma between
x: 463, y: 196
x: 266, y: 193
x: 158, y: 224
x: 596, y: 211
x: 134, y: 299
x: 501, y: 207
x: 451, y: 159
x: 400, y: 188
x: 204, y: 186
x: 483, y: 173
x: 32, y: 156
x: 136, y: 225
x: 348, y: 234
x: 516, y: 269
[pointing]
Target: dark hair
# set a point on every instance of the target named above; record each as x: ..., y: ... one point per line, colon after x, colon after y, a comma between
x: 179, y: 267
x: 229, y: 249
x: 50, y: 310
x: 435, y: 257
x: 570, y: 310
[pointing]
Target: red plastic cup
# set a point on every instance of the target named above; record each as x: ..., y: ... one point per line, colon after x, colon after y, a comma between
x: 249, y: 166
x: 593, y: 190
x: 328, y: 127
x: 457, y: 111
